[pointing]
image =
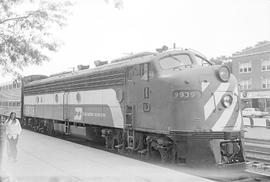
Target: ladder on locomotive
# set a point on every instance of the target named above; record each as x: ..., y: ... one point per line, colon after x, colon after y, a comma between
x: 129, y: 126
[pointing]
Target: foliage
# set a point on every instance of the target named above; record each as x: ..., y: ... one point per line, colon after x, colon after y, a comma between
x: 221, y: 59
x: 117, y: 3
x: 226, y: 60
x: 25, y: 31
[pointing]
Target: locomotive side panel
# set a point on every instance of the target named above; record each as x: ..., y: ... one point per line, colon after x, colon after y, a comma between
x: 97, y: 107
x: 153, y: 110
x: 85, y: 97
x: 47, y: 106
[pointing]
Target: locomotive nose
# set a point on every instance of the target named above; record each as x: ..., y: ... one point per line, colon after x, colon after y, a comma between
x: 206, y: 99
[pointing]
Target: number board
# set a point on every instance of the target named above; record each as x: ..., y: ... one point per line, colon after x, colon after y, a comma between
x: 187, y: 94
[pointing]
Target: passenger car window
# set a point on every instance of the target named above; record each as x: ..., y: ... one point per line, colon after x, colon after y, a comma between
x: 175, y: 61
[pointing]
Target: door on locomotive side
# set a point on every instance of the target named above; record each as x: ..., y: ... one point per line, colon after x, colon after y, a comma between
x: 139, y: 92
x: 131, y: 84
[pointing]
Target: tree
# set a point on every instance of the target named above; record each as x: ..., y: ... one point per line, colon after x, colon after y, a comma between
x: 225, y: 60
x: 117, y: 3
x: 25, y: 36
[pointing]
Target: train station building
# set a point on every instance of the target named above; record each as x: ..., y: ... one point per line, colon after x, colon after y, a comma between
x: 251, y: 67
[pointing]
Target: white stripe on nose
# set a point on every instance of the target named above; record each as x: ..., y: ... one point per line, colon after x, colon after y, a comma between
x: 215, y: 99
x: 226, y: 115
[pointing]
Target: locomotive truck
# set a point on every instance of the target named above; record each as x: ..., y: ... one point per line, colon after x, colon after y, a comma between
x: 173, y: 105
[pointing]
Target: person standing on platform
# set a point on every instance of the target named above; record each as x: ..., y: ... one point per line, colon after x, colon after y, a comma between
x: 13, y: 131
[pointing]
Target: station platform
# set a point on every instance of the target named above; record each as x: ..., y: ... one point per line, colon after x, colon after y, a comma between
x: 43, y: 158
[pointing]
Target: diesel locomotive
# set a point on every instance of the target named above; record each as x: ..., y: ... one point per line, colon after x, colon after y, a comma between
x: 173, y: 105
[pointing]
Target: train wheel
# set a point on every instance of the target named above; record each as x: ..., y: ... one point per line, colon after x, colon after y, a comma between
x: 165, y: 155
x: 154, y: 154
x: 108, y: 136
x: 36, y: 125
x: 41, y: 126
x: 109, y: 143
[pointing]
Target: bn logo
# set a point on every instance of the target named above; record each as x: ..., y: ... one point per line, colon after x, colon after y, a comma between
x: 78, y: 113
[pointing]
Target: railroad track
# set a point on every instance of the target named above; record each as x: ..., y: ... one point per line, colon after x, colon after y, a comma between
x: 258, y: 156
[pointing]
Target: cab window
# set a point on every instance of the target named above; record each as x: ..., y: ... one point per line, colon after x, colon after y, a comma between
x: 146, y: 71
x: 175, y: 61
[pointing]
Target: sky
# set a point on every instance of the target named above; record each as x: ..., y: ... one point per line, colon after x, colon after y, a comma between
x: 99, y: 31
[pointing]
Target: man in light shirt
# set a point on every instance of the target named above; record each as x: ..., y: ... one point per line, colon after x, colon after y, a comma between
x: 13, y: 131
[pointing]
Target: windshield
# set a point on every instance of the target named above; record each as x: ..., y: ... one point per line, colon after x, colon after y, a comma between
x: 201, y: 61
x: 175, y: 61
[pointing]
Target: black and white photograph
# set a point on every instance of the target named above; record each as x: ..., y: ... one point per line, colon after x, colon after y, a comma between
x: 133, y: 90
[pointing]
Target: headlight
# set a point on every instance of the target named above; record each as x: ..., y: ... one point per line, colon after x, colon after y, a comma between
x: 227, y: 100
x: 223, y: 73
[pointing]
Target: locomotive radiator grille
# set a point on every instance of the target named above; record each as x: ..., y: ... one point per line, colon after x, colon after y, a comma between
x: 80, y: 83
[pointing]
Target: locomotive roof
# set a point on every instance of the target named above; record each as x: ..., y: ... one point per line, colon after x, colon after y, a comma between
x: 115, y: 64
x: 25, y: 78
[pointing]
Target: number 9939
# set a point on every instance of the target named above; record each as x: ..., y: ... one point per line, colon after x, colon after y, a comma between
x: 186, y: 94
